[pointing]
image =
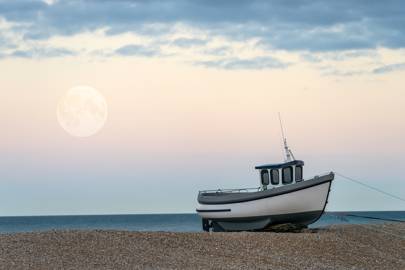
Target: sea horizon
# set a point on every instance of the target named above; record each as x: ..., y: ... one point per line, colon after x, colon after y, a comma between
x: 172, y: 213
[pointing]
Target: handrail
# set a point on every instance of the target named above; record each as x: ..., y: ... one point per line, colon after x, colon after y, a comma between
x: 238, y: 190
x: 229, y: 190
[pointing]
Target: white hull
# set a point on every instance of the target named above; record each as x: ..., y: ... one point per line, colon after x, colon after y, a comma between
x: 305, y: 200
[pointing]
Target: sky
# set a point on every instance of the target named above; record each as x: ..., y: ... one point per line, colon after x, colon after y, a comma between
x: 193, y: 89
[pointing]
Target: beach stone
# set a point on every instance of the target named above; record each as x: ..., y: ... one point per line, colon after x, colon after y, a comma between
x: 335, y: 247
x: 287, y: 227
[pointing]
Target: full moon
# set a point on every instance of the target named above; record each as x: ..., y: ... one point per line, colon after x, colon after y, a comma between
x: 82, y: 111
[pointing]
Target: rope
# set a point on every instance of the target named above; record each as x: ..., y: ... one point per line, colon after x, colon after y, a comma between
x: 368, y: 227
x: 375, y: 189
x: 385, y: 219
x: 371, y: 187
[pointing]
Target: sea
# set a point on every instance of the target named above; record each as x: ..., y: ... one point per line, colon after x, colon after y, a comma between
x: 167, y: 222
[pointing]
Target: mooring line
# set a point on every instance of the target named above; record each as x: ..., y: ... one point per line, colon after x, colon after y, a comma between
x: 368, y: 226
x: 386, y: 219
x: 375, y: 189
x: 370, y: 187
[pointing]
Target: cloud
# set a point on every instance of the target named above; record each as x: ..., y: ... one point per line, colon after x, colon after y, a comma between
x: 137, y: 50
x: 22, y: 54
x: 49, y: 2
x: 310, y: 57
x: 338, y: 56
x: 389, y: 68
x: 218, y: 51
x: 309, y: 25
x: 189, y: 42
x: 343, y: 73
x: 41, y: 53
x: 224, y: 32
x: 6, y: 44
x: 264, y: 62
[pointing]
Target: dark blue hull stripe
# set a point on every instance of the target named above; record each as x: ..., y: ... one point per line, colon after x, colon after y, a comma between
x: 213, y: 210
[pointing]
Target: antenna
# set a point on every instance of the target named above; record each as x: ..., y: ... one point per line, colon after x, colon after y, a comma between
x: 288, y: 153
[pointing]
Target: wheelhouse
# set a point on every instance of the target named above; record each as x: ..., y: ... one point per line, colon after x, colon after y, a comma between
x: 275, y: 175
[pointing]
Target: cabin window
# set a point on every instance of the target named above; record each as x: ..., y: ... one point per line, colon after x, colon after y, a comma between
x: 287, y: 175
x: 275, y: 177
x: 265, y: 177
x: 298, y: 173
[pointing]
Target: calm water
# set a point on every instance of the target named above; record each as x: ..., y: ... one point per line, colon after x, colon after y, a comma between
x: 160, y: 222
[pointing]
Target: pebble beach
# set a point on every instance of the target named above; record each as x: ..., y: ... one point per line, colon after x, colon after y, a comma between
x: 379, y: 246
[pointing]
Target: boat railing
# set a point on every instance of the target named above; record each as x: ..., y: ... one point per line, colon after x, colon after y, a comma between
x: 240, y: 190
x: 230, y: 190
x: 321, y: 175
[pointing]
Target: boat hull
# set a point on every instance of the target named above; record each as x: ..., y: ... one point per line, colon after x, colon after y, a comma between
x: 300, y: 203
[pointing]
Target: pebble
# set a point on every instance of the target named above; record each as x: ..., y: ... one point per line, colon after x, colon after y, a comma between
x: 334, y: 247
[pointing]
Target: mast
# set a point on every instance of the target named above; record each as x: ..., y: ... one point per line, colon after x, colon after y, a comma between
x: 288, y: 153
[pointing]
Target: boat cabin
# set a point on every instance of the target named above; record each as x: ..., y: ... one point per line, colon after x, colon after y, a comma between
x: 275, y: 175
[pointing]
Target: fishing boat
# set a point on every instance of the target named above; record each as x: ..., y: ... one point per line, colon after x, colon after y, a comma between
x: 283, y: 197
